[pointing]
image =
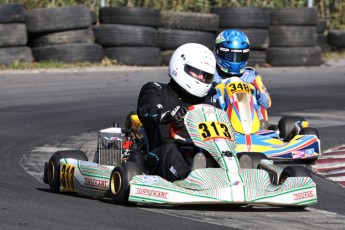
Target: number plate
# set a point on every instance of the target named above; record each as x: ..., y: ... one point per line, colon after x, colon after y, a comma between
x: 212, y: 130
x: 67, y: 177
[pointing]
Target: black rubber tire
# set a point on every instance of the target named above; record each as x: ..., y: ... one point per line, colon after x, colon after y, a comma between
x: 13, y: 34
x: 12, y: 55
x: 294, y: 56
x: 69, y: 53
x: 257, y: 58
x: 93, y: 16
x: 53, y: 169
x: 12, y: 13
x: 321, y: 25
x: 130, y: 16
x: 321, y: 41
x: 292, y: 36
x: 310, y: 131
x: 64, y: 37
x: 286, y: 125
x: 294, y: 171
x: 294, y: 16
x: 243, y: 17
x: 137, y: 56
x: 58, y: 19
x: 166, y: 56
x: 258, y: 38
x: 250, y: 160
x: 189, y: 21
x: 120, y: 177
x: 336, y: 38
x: 170, y: 39
x: 110, y: 35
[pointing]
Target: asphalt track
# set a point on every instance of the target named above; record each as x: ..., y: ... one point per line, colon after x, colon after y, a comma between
x: 42, y: 111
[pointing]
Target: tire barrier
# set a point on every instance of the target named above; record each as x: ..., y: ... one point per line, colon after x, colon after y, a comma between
x: 63, y: 34
x: 50, y: 34
x: 336, y: 39
x: 321, y: 36
x: 178, y: 28
x: 293, y: 38
x: 13, y: 34
x: 129, y: 35
x: 254, y: 22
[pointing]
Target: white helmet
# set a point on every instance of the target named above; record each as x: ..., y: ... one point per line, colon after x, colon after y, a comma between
x: 193, y: 66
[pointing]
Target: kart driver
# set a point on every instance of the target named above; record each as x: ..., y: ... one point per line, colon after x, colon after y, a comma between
x: 232, y: 53
x: 161, y: 109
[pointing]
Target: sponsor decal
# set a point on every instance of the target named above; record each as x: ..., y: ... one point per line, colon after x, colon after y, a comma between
x: 235, y: 183
x: 298, y: 154
x: 95, y: 182
x: 303, y: 195
x: 150, y: 179
x: 224, y: 49
x: 309, y: 152
x: 152, y: 192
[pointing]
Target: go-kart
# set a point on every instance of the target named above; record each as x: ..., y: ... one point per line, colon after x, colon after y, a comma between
x: 243, y: 178
x: 290, y: 140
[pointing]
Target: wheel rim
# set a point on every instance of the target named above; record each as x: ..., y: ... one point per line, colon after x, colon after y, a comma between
x: 51, y: 172
x: 116, y: 183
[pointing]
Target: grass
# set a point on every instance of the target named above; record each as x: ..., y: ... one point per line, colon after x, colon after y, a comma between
x: 329, y: 56
x: 58, y: 65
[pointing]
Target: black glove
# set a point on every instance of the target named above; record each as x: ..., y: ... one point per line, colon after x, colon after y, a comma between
x: 176, y: 115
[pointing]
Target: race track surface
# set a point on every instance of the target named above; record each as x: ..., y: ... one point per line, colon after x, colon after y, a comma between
x: 42, y: 111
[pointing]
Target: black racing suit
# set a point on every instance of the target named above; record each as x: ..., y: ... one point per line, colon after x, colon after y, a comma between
x: 164, y: 158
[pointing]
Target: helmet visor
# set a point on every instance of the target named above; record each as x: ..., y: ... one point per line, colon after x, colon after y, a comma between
x: 233, y: 55
x: 198, y: 74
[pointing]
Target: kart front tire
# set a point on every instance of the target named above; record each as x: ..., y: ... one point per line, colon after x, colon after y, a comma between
x: 250, y: 160
x: 293, y: 171
x: 120, y: 178
x: 286, y: 125
x: 52, y: 170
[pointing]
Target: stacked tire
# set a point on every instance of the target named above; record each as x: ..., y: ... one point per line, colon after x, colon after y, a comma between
x: 254, y: 22
x: 178, y: 28
x: 63, y: 34
x: 13, y: 34
x: 293, y: 38
x: 321, y: 37
x: 336, y: 39
x: 129, y: 35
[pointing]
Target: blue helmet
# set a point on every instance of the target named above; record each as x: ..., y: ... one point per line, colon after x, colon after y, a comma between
x: 232, y: 51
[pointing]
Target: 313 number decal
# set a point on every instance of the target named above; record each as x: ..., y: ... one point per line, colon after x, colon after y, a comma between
x: 67, y: 176
x: 211, y: 129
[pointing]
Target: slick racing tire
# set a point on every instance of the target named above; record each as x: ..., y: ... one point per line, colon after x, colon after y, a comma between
x: 250, y: 160
x: 52, y: 170
x: 294, y: 171
x: 120, y: 177
x: 309, y: 131
x: 286, y: 125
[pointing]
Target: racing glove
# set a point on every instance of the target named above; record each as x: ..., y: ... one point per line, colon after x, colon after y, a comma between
x: 176, y: 115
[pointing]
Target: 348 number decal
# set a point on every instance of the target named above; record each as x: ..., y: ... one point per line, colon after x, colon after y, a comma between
x: 67, y: 176
x: 211, y: 129
x: 238, y: 87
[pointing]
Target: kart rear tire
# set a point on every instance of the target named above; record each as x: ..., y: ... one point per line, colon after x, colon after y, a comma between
x: 286, y: 125
x: 294, y: 171
x: 250, y: 160
x: 52, y: 170
x: 120, y: 177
